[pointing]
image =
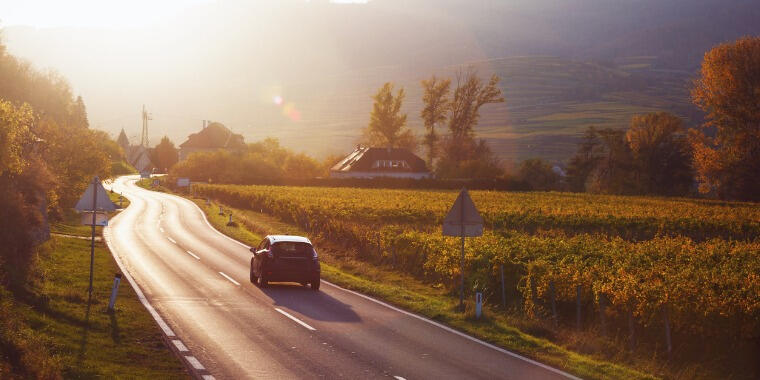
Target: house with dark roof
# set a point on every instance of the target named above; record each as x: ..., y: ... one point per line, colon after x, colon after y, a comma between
x: 215, y: 136
x: 365, y: 162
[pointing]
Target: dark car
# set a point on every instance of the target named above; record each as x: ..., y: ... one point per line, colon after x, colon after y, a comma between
x: 285, y: 258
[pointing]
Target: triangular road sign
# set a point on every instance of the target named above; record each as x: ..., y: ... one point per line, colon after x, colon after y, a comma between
x: 103, y: 203
x: 463, y: 219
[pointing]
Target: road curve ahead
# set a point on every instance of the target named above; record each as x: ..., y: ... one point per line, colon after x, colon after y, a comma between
x: 197, y: 280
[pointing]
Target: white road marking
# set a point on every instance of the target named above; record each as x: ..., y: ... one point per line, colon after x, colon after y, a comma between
x: 208, y: 377
x: 180, y: 346
x: 229, y: 278
x: 300, y: 322
x: 398, y: 378
x: 193, y: 255
x: 140, y: 295
x: 194, y: 362
x: 172, y: 240
x: 463, y: 335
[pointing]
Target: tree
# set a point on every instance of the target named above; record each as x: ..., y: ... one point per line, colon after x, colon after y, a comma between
x: 612, y: 173
x: 470, y: 95
x: 435, y: 112
x: 164, y: 155
x: 727, y: 157
x: 387, y: 125
x: 539, y: 174
x: 584, y: 161
x: 464, y: 155
x: 660, y: 154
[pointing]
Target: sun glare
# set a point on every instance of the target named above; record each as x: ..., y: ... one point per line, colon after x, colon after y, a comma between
x: 91, y: 13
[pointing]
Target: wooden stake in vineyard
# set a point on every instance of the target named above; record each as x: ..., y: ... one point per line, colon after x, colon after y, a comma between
x: 463, y: 220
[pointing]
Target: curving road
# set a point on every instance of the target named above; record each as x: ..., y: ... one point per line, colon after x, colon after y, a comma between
x: 197, y: 281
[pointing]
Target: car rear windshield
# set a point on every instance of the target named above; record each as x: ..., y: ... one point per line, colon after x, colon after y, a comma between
x: 288, y: 249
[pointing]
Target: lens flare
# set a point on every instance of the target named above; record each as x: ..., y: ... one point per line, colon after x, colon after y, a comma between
x: 278, y: 100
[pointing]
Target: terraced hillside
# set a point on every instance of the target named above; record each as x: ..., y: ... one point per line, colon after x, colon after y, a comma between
x: 549, y: 102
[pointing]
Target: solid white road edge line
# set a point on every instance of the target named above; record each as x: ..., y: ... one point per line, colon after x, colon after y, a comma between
x: 230, y: 278
x: 141, y: 296
x: 193, y: 255
x: 300, y: 322
x: 434, y: 323
x: 144, y: 301
x: 172, y: 240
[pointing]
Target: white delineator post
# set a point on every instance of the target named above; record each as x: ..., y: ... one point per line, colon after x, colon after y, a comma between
x: 114, y: 291
x: 478, y: 304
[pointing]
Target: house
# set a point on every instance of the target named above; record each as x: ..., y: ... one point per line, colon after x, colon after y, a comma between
x: 139, y: 157
x: 213, y: 137
x: 123, y: 141
x: 365, y: 162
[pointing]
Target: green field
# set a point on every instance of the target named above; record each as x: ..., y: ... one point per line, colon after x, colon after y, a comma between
x: 691, y: 262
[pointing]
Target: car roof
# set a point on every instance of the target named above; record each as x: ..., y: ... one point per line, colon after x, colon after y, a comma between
x: 289, y: 238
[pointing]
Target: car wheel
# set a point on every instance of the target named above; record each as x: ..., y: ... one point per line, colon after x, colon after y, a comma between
x: 254, y: 279
x: 315, y: 285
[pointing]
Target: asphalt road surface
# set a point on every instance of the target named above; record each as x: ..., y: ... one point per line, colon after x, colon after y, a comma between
x: 197, y: 281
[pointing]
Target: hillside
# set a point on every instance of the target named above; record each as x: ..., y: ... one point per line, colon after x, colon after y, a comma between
x: 613, y: 59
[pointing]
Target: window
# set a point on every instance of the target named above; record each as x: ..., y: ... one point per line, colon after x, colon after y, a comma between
x: 392, y: 164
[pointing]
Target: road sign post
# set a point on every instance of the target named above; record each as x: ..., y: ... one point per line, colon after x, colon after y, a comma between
x: 93, y: 200
x: 463, y: 220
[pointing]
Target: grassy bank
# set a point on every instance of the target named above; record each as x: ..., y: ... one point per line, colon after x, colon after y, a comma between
x: 340, y: 267
x: 52, y: 331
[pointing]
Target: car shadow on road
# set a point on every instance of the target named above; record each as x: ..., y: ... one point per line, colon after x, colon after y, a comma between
x: 315, y: 305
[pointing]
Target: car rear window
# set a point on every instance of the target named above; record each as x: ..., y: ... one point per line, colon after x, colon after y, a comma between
x: 287, y: 249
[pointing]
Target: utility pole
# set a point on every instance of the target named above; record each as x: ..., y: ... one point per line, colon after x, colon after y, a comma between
x: 145, y: 118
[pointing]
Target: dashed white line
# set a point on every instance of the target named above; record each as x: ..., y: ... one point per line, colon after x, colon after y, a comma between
x: 300, y: 322
x: 172, y: 240
x: 194, y: 362
x: 398, y: 378
x: 229, y: 278
x: 208, y: 377
x: 180, y: 346
x: 193, y: 255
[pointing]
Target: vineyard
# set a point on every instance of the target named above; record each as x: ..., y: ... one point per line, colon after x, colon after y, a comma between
x: 640, y: 261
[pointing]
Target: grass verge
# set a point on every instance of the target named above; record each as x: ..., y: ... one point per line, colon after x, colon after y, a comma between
x: 81, y: 339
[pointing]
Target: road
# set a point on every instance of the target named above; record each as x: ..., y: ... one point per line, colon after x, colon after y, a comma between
x: 197, y: 281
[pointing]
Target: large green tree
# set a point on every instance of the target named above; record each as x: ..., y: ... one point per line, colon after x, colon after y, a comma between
x: 463, y: 155
x: 164, y: 155
x: 436, y: 105
x: 387, y: 124
x: 660, y: 154
x: 727, y: 150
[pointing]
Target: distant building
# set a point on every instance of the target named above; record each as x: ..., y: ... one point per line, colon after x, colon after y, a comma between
x: 213, y: 137
x: 139, y: 157
x: 367, y: 162
x: 123, y: 141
